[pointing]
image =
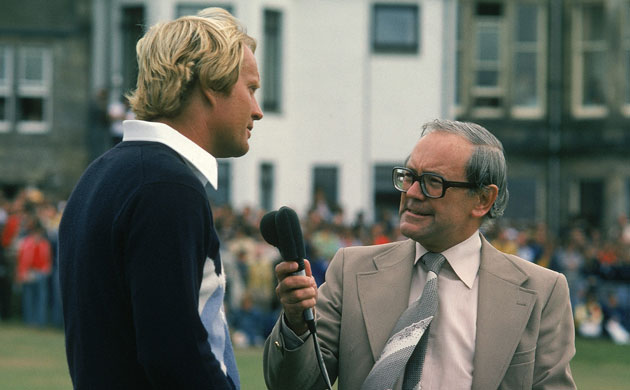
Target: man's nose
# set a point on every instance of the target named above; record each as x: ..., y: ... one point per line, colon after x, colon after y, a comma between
x: 257, y: 114
x: 415, y: 191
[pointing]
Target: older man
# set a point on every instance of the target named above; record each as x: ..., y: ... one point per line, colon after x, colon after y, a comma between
x: 442, y: 310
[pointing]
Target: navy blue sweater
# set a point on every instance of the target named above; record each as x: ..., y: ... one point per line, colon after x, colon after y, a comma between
x: 133, y: 240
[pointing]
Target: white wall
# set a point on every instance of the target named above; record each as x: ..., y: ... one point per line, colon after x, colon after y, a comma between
x: 342, y: 104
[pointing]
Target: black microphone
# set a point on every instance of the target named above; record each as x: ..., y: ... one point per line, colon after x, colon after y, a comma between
x: 282, y: 229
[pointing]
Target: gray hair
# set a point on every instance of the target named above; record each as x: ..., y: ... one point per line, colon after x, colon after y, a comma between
x: 486, y: 165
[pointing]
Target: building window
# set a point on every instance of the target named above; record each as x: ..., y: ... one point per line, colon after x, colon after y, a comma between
x: 132, y: 30
x: 459, y: 55
x: 25, y: 89
x: 527, y: 86
x: 626, y: 56
x: 325, y: 185
x: 395, y: 28
x: 592, y: 201
x: 488, y: 60
x: 272, y: 61
x: 589, y: 60
x: 6, y: 87
x: 266, y: 186
x: 522, y: 206
x: 192, y: 9
x: 221, y: 196
x: 501, y: 65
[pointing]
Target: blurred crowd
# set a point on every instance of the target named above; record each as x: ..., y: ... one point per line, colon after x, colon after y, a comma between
x: 596, y: 262
x: 29, y: 276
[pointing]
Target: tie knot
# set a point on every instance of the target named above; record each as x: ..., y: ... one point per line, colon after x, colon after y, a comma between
x: 433, y: 261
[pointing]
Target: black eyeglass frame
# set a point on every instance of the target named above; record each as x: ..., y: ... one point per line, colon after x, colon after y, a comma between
x: 418, y: 178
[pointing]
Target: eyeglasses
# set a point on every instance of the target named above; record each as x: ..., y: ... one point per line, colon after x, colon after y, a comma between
x: 432, y: 185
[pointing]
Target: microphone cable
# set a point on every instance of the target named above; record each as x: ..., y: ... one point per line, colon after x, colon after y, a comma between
x: 318, y: 353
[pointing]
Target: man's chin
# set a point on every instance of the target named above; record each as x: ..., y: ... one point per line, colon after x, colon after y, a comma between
x: 415, y: 225
x: 238, y: 152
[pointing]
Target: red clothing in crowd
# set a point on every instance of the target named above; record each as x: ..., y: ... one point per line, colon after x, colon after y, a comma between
x: 34, y: 254
x: 381, y: 239
x: 11, y: 230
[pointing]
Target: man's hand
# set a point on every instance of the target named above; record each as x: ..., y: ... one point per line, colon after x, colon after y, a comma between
x: 296, y: 293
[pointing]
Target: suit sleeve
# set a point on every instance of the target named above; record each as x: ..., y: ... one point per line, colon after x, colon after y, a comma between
x: 298, y: 368
x: 556, y: 341
x: 166, y: 246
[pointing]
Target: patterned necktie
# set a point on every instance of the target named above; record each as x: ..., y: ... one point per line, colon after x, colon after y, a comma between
x: 406, y: 346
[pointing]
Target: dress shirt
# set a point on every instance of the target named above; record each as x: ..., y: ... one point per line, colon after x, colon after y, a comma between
x: 202, y: 163
x: 448, y: 361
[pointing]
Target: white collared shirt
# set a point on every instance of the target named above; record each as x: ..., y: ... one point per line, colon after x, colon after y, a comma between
x: 448, y: 362
x: 202, y: 163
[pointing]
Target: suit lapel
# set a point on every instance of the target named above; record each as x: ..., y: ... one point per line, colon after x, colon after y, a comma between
x: 384, y: 293
x: 503, y: 310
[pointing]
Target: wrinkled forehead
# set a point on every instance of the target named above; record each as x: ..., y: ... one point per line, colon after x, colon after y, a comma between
x: 445, y: 154
x: 442, y: 147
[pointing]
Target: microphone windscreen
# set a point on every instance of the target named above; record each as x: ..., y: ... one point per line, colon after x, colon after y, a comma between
x: 268, y: 228
x: 289, y: 234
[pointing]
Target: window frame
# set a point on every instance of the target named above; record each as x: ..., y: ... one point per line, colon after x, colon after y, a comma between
x: 272, y: 63
x: 579, y: 109
x: 7, y: 88
x: 400, y: 47
x: 43, y: 90
x: 539, y: 47
x: 500, y: 90
x: 469, y: 20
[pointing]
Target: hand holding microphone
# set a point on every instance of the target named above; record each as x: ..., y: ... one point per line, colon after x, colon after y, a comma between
x: 296, y: 288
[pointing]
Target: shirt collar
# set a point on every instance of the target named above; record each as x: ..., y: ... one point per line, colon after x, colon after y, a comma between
x: 203, y: 164
x: 464, y: 258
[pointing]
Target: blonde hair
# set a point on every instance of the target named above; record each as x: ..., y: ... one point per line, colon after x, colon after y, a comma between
x: 172, y: 56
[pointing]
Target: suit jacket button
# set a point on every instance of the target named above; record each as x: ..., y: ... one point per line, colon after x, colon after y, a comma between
x: 278, y: 345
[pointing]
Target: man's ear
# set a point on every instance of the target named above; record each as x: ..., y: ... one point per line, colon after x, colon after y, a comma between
x: 486, y: 198
x: 209, y: 95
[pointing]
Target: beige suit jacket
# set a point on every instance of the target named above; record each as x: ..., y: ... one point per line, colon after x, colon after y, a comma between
x: 525, y: 332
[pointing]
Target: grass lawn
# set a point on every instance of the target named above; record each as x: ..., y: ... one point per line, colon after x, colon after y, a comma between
x: 33, y: 359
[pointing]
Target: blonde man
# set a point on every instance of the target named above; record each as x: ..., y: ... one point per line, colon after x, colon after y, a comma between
x: 142, y: 279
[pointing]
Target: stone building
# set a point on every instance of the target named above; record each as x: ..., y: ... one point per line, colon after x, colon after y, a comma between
x: 44, y: 93
x: 551, y: 78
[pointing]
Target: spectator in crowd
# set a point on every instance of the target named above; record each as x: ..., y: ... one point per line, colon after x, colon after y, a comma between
x: 34, y: 265
x: 322, y: 205
x: 50, y: 218
x: 506, y: 241
x: 325, y: 241
x: 569, y: 259
x: 589, y: 317
x: 614, y: 317
x: 6, y: 270
x: 248, y: 322
x: 378, y: 234
x: 12, y: 232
